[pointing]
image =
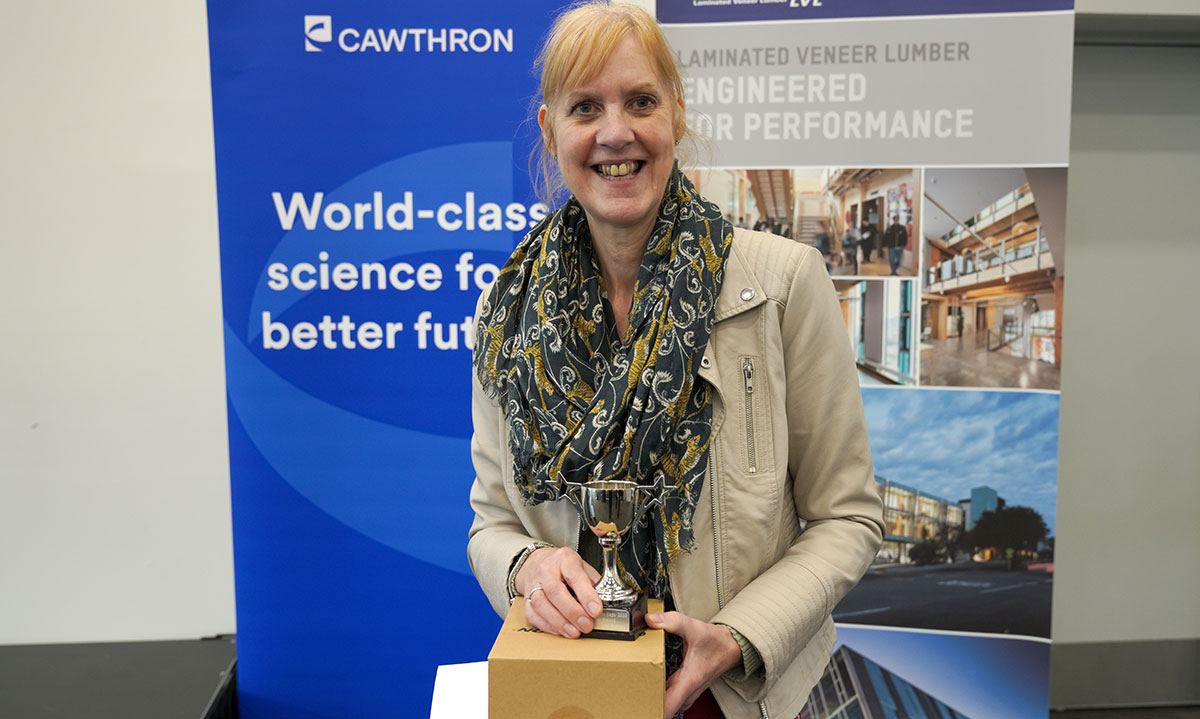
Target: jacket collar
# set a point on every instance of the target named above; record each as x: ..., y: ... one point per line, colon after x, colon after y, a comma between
x: 741, y: 289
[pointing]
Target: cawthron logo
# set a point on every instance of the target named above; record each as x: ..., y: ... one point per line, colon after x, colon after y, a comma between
x: 317, y: 29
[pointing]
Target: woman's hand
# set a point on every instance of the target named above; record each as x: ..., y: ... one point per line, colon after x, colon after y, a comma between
x: 547, y: 580
x: 709, y: 650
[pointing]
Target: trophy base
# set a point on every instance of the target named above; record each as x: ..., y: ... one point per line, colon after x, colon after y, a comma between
x: 624, y: 623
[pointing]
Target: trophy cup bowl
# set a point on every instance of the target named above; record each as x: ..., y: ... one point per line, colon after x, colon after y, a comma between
x: 609, y: 508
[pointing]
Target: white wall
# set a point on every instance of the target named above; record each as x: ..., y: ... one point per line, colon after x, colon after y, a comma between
x: 114, y: 476
x: 1141, y: 7
x: 1129, y: 465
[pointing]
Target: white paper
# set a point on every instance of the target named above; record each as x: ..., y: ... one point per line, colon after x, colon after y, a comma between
x: 460, y: 692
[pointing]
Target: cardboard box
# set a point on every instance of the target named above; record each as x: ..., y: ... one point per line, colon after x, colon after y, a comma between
x: 532, y: 675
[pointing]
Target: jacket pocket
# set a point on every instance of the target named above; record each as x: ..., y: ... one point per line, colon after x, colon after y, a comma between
x: 755, y: 418
x: 748, y: 415
x: 750, y: 492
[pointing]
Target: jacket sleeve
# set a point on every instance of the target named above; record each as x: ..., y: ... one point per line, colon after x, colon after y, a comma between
x: 497, y: 534
x: 833, y: 483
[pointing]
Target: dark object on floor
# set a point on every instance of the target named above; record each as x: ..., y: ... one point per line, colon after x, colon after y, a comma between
x: 125, y: 680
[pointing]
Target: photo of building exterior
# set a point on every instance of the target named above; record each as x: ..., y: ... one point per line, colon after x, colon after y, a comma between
x: 854, y: 687
x: 911, y: 516
x: 992, y: 277
x: 968, y: 481
x: 982, y: 499
x: 863, y: 220
x: 894, y: 673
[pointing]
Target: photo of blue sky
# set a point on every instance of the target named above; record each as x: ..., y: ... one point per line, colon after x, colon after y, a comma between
x: 946, y: 441
x: 983, y: 677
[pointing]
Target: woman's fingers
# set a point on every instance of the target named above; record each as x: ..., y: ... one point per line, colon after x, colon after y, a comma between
x: 682, y: 692
x: 708, y: 651
x: 573, y: 592
x: 568, y: 607
x: 541, y: 613
x: 560, y: 594
x: 674, y: 695
x: 684, y: 686
x: 676, y: 623
x: 581, y: 578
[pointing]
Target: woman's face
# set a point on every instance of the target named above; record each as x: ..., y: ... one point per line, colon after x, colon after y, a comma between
x: 615, y: 137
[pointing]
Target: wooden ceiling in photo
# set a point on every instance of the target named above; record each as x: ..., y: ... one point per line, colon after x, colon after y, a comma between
x: 847, y: 178
x: 774, y: 193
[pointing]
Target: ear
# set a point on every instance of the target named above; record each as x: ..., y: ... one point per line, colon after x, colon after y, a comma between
x: 547, y: 130
x: 680, y: 120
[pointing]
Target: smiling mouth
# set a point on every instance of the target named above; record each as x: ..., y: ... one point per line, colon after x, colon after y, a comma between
x: 619, y: 169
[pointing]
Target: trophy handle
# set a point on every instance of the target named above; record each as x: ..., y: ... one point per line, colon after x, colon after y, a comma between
x: 649, y: 501
x: 570, y: 494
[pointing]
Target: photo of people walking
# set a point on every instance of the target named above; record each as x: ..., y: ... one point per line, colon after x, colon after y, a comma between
x: 863, y: 220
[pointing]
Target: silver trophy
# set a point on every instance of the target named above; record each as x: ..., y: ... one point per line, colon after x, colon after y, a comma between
x: 609, y: 508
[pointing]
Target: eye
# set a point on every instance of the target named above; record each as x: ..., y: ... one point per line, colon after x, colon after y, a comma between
x: 583, y: 107
x: 644, y: 102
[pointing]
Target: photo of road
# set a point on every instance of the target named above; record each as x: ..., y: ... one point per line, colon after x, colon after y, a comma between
x: 975, y: 598
x: 968, y: 484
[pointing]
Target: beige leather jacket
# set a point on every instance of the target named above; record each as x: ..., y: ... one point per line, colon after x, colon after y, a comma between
x: 795, y: 516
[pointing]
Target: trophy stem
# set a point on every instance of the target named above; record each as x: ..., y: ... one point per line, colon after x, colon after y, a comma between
x: 611, y: 589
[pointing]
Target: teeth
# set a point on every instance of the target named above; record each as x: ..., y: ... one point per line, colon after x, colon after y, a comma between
x: 619, y: 169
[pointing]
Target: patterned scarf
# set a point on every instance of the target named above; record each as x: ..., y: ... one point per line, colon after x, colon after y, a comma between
x: 582, y: 403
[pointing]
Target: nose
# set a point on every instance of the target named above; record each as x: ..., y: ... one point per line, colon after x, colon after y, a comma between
x: 616, y: 130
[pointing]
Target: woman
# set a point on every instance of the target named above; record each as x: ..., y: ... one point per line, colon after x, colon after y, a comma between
x: 634, y: 334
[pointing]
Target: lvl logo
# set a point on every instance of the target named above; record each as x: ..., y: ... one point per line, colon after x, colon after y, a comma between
x: 317, y: 29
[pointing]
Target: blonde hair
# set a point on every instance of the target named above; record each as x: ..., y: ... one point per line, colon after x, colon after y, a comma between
x: 579, y: 43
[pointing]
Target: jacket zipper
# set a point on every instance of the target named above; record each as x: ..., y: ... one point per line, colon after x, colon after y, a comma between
x: 748, y: 383
x: 712, y: 484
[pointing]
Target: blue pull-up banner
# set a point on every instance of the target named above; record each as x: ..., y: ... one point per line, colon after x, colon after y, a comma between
x: 372, y: 175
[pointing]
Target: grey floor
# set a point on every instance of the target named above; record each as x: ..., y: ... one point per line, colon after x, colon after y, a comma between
x: 957, y: 362
x: 126, y: 680
x: 165, y: 680
x: 1155, y: 713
